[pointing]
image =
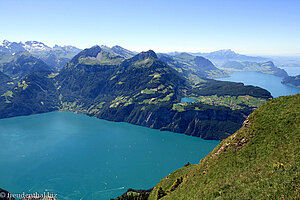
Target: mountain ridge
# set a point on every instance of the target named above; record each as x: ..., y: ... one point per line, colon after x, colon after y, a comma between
x: 141, y: 90
x: 220, y: 57
x: 264, y: 67
x: 193, y: 67
x: 292, y: 80
x: 20, y: 64
x: 55, y: 57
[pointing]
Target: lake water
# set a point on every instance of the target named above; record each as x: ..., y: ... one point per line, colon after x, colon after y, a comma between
x: 187, y: 100
x: 292, y: 71
x: 80, y: 157
x: 269, y: 82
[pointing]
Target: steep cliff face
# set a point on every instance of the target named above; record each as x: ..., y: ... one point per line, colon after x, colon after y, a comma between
x: 214, y: 123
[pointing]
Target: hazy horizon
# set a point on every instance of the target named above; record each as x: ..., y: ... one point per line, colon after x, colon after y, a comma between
x: 178, y: 51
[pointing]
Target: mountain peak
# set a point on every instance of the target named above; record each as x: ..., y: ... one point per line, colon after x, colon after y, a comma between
x: 35, y: 46
x: 225, y: 52
x: 117, y: 46
x: 96, y: 55
x: 91, y: 52
x: 122, y: 51
x: 142, y: 58
x: 184, y: 55
x: 11, y: 47
x: 146, y: 54
x: 88, y: 52
x: 269, y: 63
x: 34, y: 43
x: 5, y: 42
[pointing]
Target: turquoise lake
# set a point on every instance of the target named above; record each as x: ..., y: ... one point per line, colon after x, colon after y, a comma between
x: 80, y: 157
x: 292, y: 71
x: 269, y: 82
x: 187, y: 100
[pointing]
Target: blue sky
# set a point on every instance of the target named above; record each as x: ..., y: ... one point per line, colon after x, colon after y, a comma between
x: 246, y: 26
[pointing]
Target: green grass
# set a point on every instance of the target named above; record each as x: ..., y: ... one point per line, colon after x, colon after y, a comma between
x: 73, y: 106
x: 120, y: 100
x: 144, y: 63
x: 95, y: 109
x: 180, y: 107
x: 7, y: 95
x: 168, y: 97
x: 52, y: 75
x: 155, y: 75
x: 103, y: 58
x: 23, y: 84
x: 232, y: 102
x: 259, y: 161
x: 149, y: 91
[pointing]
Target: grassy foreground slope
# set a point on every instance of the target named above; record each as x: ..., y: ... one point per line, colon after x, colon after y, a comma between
x: 259, y: 161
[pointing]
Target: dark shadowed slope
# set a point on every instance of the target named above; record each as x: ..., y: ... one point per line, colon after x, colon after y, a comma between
x: 292, y: 80
x: 17, y: 66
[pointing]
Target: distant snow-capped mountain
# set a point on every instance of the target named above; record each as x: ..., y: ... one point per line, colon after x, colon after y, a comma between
x: 12, y: 47
x: 31, y: 46
x: 56, y: 57
x: 35, y: 46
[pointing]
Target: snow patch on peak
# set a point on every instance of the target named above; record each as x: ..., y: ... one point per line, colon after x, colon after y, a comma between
x: 66, y: 48
x: 35, y: 46
x: 5, y: 43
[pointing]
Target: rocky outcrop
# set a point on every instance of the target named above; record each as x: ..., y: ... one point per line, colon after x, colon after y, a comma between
x: 132, y: 194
